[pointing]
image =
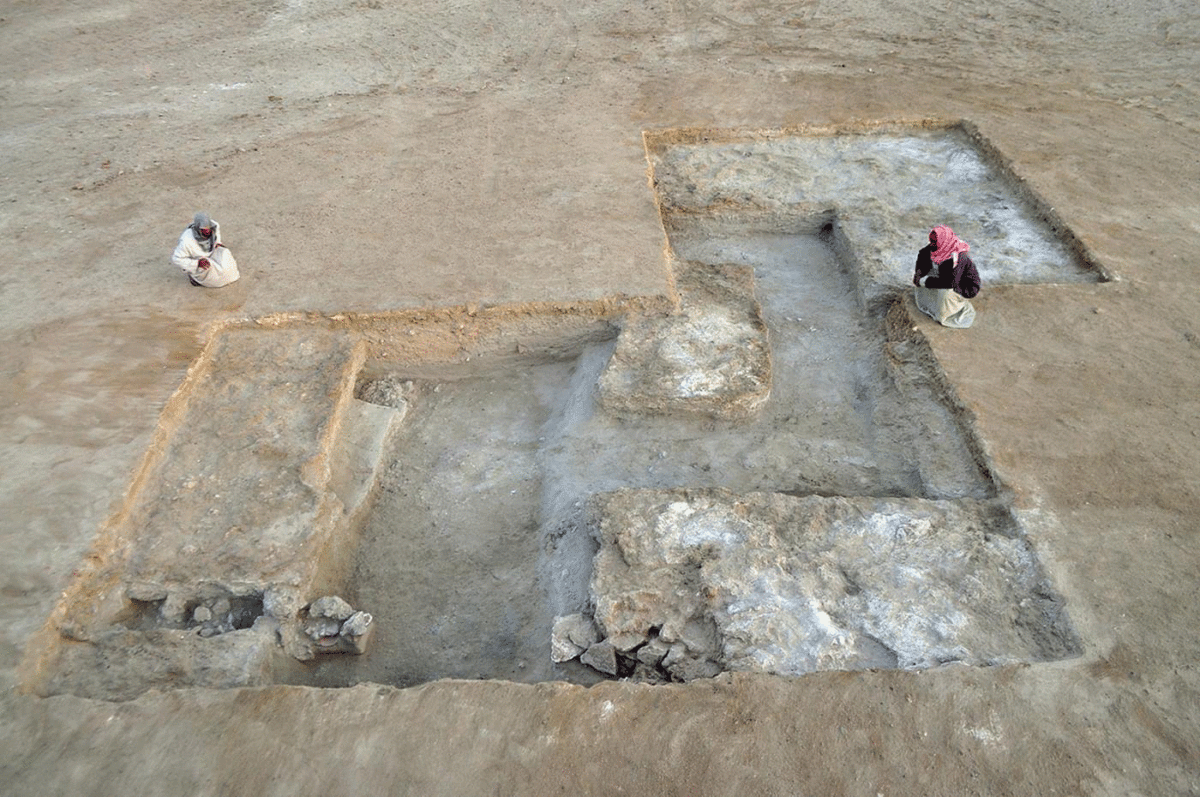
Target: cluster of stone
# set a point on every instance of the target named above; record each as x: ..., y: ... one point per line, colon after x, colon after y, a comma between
x: 648, y: 660
x: 222, y: 615
x: 335, y: 627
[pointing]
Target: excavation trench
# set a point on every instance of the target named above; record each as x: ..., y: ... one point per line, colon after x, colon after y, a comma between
x: 776, y: 477
x: 493, y: 508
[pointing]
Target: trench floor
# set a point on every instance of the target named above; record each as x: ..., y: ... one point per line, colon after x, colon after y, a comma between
x: 451, y: 560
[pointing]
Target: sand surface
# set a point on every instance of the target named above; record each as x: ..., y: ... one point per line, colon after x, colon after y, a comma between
x: 371, y: 157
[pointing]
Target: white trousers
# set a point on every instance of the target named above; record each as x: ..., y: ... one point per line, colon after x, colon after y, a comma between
x: 946, y: 307
x: 222, y: 269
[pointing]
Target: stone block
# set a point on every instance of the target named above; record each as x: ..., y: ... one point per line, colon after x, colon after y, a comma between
x: 358, y: 643
x: 653, y: 652
x: 319, y: 628
x: 578, y: 629
x: 332, y: 607
x: 357, y: 624
x: 601, y: 657
x: 562, y: 646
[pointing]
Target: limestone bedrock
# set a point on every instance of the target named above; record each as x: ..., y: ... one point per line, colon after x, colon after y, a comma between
x: 772, y: 583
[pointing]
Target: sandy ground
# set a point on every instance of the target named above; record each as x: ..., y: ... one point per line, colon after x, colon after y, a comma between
x: 370, y: 156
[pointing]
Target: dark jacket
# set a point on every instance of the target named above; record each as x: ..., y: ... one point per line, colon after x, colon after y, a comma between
x: 964, y: 279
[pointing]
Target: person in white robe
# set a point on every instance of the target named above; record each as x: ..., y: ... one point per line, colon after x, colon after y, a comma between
x: 200, y: 253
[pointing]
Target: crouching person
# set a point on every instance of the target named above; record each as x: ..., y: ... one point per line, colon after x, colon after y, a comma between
x: 200, y: 253
x: 946, y: 279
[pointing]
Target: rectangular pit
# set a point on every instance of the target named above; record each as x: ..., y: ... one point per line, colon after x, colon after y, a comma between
x: 448, y: 557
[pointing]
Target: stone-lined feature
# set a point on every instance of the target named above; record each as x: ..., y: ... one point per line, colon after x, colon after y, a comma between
x: 335, y: 626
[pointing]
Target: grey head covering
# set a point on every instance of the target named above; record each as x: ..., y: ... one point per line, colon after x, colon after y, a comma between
x: 203, y: 221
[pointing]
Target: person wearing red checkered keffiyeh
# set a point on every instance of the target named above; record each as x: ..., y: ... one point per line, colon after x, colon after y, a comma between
x: 945, y: 278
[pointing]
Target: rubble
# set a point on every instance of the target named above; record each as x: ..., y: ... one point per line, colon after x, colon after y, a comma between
x: 571, y: 635
x: 334, y: 626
